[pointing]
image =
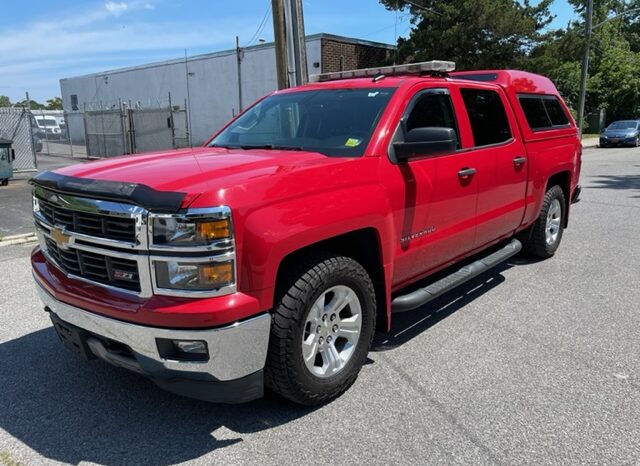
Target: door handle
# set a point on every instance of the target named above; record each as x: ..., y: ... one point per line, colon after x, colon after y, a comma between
x: 466, y: 173
x: 518, y: 161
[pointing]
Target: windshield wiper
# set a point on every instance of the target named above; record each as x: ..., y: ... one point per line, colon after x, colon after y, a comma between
x: 269, y: 147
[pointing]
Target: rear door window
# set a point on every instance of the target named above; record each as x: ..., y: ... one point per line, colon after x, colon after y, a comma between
x: 487, y: 116
x: 543, y: 112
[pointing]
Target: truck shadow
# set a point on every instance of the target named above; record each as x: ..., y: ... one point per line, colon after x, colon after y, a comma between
x: 407, y: 325
x: 69, y: 410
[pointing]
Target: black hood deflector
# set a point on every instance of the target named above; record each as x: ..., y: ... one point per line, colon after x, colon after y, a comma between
x: 132, y: 193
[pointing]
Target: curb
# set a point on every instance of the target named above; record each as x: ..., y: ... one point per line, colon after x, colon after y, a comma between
x: 590, y: 143
x: 18, y: 239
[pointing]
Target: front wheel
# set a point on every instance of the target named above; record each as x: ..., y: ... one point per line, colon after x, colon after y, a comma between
x: 545, y: 235
x: 321, y: 331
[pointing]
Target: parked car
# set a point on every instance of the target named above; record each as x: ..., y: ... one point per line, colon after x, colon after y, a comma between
x: 621, y: 133
x: 48, y: 125
x: 269, y: 255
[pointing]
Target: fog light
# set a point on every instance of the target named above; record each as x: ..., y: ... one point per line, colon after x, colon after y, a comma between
x: 183, y: 350
x: 187, y: 346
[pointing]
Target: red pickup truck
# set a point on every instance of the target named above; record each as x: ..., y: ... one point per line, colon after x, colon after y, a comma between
x: 271, y: 254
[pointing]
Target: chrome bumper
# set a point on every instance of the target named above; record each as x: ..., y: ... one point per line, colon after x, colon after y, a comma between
x: 235, y: 351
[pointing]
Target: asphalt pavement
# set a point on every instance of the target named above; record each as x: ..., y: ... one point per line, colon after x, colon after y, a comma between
x: 15, y: 198
x: 532, y: 363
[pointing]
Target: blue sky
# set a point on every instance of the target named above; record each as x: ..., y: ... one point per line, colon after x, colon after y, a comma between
x: 41, y: 42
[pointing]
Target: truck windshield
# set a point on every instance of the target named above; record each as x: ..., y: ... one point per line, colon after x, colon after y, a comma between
x: 334, y: 122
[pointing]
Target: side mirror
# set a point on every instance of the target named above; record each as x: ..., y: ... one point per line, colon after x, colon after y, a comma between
x: 419, y: 142
x: 13, y: 155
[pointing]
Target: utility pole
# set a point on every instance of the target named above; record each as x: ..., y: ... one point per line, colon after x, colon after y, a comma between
x: 299, y: 42
x: 239, y: 54
x: 280, y: 40
x: 291, y: 49
x: 585, y: 64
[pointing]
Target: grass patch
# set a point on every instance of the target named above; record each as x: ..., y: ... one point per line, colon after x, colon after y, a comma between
x: 6, y: 460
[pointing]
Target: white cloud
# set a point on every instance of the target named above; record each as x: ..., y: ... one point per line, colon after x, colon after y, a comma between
x: 149, y: 6
x: 116, y: 7
x: 90, y: 40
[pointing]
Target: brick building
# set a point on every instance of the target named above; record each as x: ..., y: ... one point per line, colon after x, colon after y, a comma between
x: 339, y: 54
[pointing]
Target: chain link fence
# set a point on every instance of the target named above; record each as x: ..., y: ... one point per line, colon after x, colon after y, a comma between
x: 105, y: 133
x: 94, y: 131
x: 16, y: 124
x: 125, y: 130
x: 51, y: 128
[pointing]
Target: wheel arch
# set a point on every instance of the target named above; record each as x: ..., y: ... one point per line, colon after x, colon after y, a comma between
x: 364, y: 246
x: 563, y: 180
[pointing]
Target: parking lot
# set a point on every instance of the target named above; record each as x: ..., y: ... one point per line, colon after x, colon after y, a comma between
x: 531, y: 363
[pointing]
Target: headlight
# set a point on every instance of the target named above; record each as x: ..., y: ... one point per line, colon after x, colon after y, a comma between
x: 631, y: 135
x: 189, y: 276
x: 181, y: 231
x: 196, y: 252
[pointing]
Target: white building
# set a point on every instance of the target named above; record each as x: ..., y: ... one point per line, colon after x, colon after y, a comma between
x: 208, y: 84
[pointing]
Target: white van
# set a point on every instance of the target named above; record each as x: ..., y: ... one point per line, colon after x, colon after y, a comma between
x: 48, y: 126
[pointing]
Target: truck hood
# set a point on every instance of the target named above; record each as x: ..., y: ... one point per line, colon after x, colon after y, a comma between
x: 214, y: 175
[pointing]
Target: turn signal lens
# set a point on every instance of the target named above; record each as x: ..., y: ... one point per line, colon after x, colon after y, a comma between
x: 216, y: 229
x: 216, y: 274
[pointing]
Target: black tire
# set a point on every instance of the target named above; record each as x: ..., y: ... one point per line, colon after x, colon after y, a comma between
x: 536, y: 238
x: 286, y: 372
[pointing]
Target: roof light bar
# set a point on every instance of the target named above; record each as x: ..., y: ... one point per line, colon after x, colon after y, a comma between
x: 436, y: 66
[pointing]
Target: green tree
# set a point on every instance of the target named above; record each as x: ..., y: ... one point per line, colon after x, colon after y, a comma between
x: 54, y: 104
x: 5, y: 101
x: 33, y: 104
x: 614, y: 84
x: 473, y: 33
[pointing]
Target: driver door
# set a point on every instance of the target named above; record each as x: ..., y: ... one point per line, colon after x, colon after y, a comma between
x: 438, y: 216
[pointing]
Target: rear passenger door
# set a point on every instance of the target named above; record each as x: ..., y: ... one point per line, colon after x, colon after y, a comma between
x: 501, y: 162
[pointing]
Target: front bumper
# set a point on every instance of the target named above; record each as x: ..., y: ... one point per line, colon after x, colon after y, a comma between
x: 605, y: 141
x: 232, y: 374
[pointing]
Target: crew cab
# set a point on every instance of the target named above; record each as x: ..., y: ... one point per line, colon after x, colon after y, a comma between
x: 269, y: 256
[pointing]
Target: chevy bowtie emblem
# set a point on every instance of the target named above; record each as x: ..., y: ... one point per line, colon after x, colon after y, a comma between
x: 60, y: 237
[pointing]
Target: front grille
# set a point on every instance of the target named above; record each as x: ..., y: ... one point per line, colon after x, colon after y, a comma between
x: 102, y: 226
x: 121, y: 273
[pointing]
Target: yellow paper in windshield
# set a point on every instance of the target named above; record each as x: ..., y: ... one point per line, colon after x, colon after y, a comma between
x: 353, y: 142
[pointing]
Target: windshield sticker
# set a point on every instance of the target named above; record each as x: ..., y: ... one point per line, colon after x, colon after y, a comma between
x: 373, y: 94
x: 353, y: 142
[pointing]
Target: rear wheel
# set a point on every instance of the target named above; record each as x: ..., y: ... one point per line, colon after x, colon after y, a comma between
x: 321, y: 331
x: 545, y: 235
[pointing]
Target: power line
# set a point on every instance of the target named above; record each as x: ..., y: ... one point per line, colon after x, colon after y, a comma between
x: 420, y: 7
x: 262, y: 25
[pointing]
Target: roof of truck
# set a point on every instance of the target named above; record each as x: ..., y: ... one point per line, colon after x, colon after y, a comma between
x: 519, y: 81
x: 513, y: 80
